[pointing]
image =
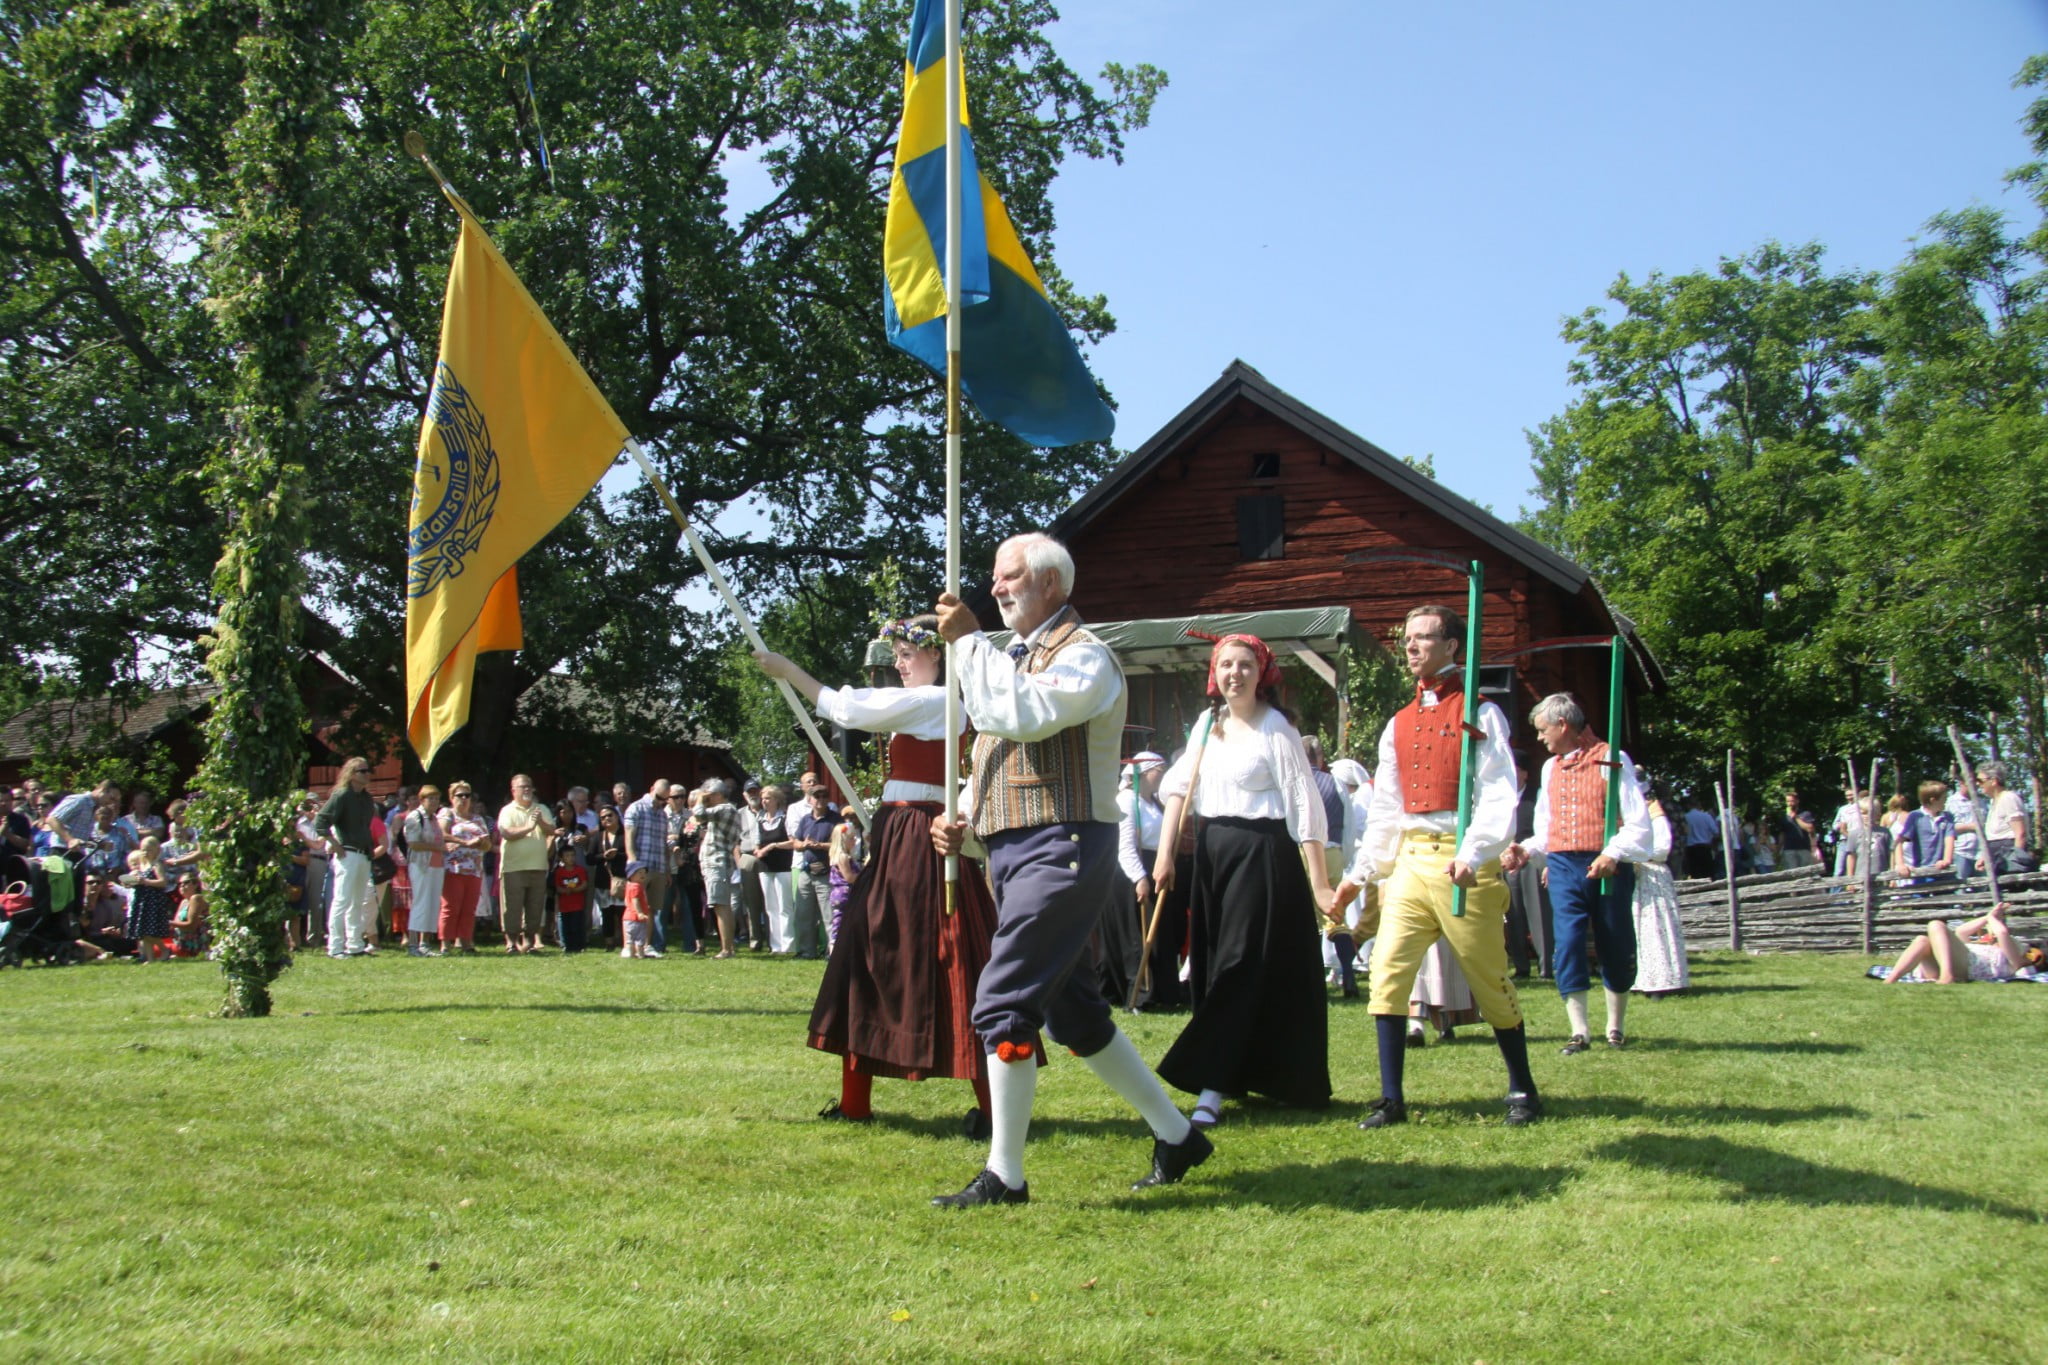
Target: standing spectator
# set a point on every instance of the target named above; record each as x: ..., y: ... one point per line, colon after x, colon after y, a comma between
x: 1702, y: 834
x: 1848, y: 827
x: 1661, y: 966
x: 1798, y: 834
x: 812, y: 840
x: 140, y: 821
x: 17, y: 840
x: 622, y: 797
x: 581, y: 825
x: 1969, y: 844
x: 344, y: 823
x: 774, y: 850
x: 181, y: 841
x: 608, y: 872
x: 571, y: 880
x: 718, y: 837
x: 524, y: 828
x: 1927, y: 838
x: 319, y: 874
x: 647, y: 842
x: 845, y: 868
x: 468, y: 836
x: 681, y: 843
x: 426, y: 865
x: 2005, y: 824
x: 71, y: 820
x: 751, y: 908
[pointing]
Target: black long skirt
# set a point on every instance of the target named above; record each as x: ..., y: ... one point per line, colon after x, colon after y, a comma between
x: 1260, y: 1024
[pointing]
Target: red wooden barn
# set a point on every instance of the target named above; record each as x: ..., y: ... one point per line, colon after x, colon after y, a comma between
x: 1251, y: 501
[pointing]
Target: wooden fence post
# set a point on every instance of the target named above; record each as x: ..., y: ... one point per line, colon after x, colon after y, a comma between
x: 1866, y: 860
x: 1728, y: 859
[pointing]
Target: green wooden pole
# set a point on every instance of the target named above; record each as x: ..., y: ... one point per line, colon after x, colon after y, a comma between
x: 1614, y: 741
x: 1468, y: 746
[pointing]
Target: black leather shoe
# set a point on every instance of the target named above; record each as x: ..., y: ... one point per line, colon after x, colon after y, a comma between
x: 1575, y: 1046
x: 1385, y: 1113
x: 1172, y: 1160
x: 833, y: 1113
x: 1615, y: 1038
x: 1523, y: 1109
x: 1416, y: 1040
x: 977, y: 1126
x: 986, y: 1188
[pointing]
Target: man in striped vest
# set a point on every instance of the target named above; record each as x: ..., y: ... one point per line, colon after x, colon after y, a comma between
x: 1592, y: 877
x: 1048, y: 716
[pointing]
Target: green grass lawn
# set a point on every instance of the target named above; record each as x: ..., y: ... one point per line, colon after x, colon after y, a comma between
x: 589, y: 1159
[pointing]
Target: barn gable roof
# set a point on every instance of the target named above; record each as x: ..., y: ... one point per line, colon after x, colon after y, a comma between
x: 1240, y: 382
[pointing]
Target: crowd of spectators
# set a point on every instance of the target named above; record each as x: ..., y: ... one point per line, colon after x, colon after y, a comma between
x: 419, y: 872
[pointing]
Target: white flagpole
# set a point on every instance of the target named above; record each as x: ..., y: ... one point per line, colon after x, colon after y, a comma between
x: 732, y: 602
x: 954, y: 79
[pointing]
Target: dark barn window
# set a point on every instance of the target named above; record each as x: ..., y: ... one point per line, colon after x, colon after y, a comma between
x: 1266, y: 465
x: 1260, y: 532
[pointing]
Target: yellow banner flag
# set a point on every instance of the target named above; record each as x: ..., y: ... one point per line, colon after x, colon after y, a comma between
x: 515, y: 435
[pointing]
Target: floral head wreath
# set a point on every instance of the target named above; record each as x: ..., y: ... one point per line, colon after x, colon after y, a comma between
x: 912, y: 634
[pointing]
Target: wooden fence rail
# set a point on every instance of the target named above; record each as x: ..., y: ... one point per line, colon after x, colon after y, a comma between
x: 1804, y: 911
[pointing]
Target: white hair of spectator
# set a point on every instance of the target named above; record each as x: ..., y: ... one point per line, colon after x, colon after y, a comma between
x: 717, y: 786
x: 1558, y: 707
x: 575, y: 792
x: 1042, y: 554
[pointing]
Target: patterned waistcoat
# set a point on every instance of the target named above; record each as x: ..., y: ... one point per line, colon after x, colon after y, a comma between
x: 1428, y: 746
x: 1019, y: 785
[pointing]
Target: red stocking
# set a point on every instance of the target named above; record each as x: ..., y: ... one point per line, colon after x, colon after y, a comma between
x: 856, y: 1092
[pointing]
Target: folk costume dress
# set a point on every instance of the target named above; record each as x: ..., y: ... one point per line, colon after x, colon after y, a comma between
x: 899, y: 986
x: 1260, y: 1022
x: 1660, y: 936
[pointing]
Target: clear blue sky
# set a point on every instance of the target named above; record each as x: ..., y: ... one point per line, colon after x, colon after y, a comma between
x: 1388, y: 209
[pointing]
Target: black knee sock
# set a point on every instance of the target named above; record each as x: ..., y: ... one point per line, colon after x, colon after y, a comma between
x: 1393, y: 1035
x: 1346, y: 952
x: 1514, y: 1050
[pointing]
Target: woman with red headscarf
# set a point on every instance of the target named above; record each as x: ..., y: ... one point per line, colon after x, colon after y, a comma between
x: 1259, y: 1023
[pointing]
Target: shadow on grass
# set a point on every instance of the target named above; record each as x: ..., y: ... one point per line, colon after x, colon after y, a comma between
x: 1625, y: 1107
x: 562, y: 1008
x: 1356, y: 1183
x: 1789, y: 1046
x: 1761, y: 1173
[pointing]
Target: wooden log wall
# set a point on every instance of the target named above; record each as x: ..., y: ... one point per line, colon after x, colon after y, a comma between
x: 1170, y: 547
x: 1805, y: 911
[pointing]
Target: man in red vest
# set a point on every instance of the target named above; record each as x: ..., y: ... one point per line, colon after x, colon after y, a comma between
x: 1591, y: 877
x: 1411, y: 840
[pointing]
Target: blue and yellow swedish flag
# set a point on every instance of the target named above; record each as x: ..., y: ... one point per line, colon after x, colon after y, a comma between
x: 1018, y: 361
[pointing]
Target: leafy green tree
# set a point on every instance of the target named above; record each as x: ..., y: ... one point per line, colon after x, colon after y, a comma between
x: 740, y: 340
x: 1698, y: 475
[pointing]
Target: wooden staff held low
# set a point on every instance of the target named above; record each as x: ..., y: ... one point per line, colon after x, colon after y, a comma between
x: 1168, y: 839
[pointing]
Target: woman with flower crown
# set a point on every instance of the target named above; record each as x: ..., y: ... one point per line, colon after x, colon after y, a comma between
x: 1259, y: 1023
x: 899, y: 985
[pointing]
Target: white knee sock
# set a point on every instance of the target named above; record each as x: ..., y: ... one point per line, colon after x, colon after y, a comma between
x: 1124, y: 1071
x: 1011, y: 1086
x: 1575, y: 1010
x: 1617, y: 1006
x: 1211, y: 1100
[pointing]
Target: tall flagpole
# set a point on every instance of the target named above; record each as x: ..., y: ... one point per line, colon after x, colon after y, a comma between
x: 955, y: 79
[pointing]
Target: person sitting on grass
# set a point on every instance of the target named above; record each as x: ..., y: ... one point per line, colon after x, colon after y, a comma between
x: 103, y: 914
x: 638, y: 912
x: 1982, y: 949
x: 188, y: 926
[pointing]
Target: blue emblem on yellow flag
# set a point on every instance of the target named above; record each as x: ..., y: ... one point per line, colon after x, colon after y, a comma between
x: 1018, y: 361
x: 515, y: 435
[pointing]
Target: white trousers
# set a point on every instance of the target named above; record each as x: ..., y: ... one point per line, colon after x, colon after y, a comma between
x: 776, y: 895
x: 425, y: 916
x: 348, y: 918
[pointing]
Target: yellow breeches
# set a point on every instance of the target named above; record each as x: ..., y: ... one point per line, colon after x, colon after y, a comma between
x: 1415, y: 911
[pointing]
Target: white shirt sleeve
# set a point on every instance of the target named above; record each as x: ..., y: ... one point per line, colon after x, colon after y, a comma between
x: 916, y: 711
x: 1381, y: 842
x: 1539, y: 839
x: 1306, y: 822
x: 1633, y: 842
x: 1492, y: 827
x: 1127, y: 855
x: 1181, y: 773
x: 1660, y: 838
x: 1005, y: 701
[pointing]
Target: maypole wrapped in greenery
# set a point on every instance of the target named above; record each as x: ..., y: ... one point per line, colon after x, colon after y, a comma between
x: 270, y: 285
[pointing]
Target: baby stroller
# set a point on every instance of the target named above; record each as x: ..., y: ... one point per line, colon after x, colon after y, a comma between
x: 37, y: 927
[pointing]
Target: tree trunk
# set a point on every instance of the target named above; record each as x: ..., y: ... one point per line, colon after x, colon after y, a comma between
x: 270, y: 289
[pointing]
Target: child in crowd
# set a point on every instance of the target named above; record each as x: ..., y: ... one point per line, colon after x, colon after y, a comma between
x: 638, y: 915
x: 149, y: 911
x: 190, y: 922
x: 572, y: 890
x: 844, y: 856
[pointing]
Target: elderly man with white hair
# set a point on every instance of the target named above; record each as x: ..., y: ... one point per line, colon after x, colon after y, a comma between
x: 1591, y: 877
x: 1048, y: 717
